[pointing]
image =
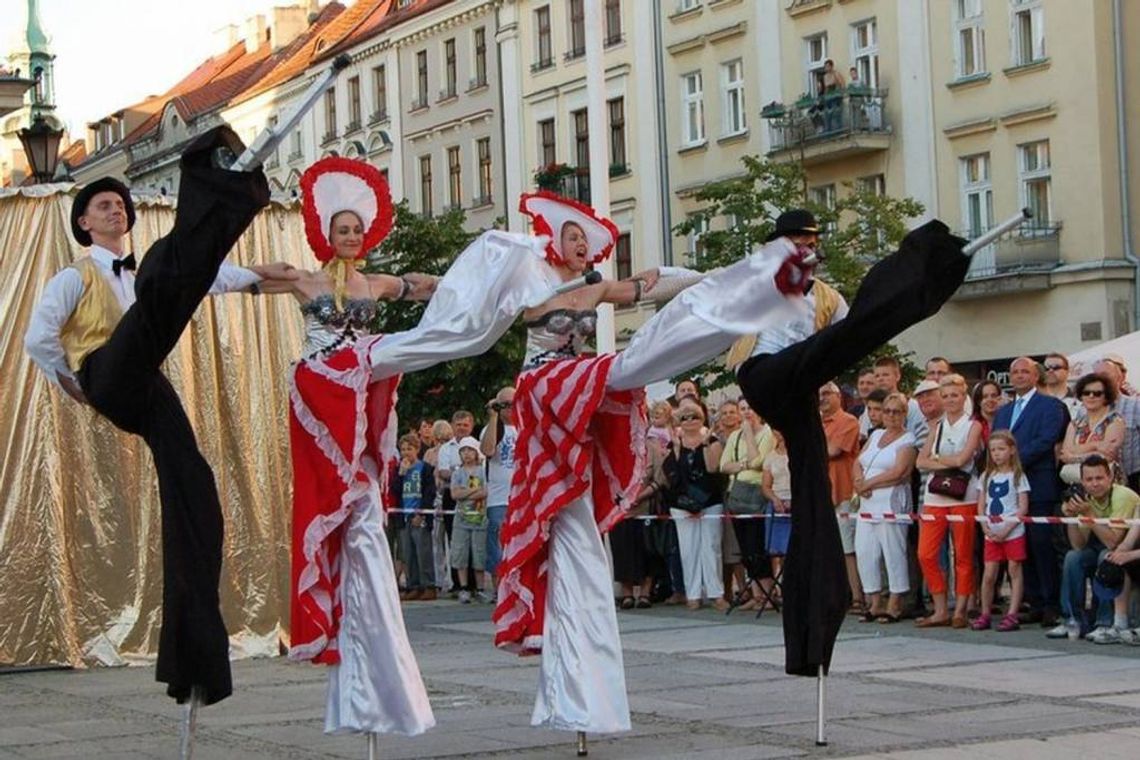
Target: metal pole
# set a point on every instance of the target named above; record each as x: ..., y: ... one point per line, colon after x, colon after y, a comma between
x: 582, y: 750
x: 270, y: 137
x: 599, y: 156
x: 373, y: 746
x: 189, y: 724
x: 1008, y: 225
x: 821, y: 695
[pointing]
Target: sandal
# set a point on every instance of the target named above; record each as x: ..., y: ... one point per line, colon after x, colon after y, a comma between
x: 643, y: 603
x: 930, y: 622
x: 627, y: 603
x: 887, y: 618
x: 869, y: 617
x: 1009, y: 623
x: 981, y: 623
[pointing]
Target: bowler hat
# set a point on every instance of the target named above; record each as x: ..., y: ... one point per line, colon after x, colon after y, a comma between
x: 83, y: 198
x: 798, y: 221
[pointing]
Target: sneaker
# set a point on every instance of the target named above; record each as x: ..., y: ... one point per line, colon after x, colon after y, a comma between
x: 1105, y: 635
x: 1058, y: 632
x: 465, y: 597
x: 1129, y: 636
x: 485, y: 597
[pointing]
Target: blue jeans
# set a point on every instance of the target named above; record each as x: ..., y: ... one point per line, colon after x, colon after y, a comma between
x: 495, y: 517
x: 1080, y: 566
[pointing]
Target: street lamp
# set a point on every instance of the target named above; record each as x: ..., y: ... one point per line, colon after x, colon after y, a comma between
x: 41, y: 146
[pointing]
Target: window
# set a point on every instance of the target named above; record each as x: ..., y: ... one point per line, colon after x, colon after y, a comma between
x: 875, y: 184
x: 577, y: 30
x: 732, y: 97
x: 623, y: 257
x: 865, y: 52
x: 380, y: 93
x: 330, y: 114
x: 546, y: 140
x: 354, y: 103
x: 295, y: 150
x: 483, y: 146
x: 581, y: 138
x: 425, y: 185
x: 450, y: 73
x: 977, y: 194
x: 421, y: 80
x: 692, y: 109
x: 480, y: 58
x: 823, y: 196
x: 1027, y: 32
x: 273, y: 157
x: 1034, y: 174
x: 545, y: 52
x: 687, y: 5
x: 613, y: 22
x: 695, y: 248
x: 617, y: 136
x: 970, y: 38
x: 454, y: 178
x: 815, y: 50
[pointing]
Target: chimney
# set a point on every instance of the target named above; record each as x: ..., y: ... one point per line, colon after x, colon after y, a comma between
x: 286, y: 24
x: 254, y: 32
x: 225, y: 38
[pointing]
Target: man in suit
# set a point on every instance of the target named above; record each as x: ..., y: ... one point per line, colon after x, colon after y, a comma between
x: 1038, y: 423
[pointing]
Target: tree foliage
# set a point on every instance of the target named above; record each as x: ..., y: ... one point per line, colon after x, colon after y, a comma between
x: 429, y: 245
x: 862, y: 227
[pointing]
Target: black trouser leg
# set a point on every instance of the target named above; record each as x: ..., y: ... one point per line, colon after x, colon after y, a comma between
x: 1042, y: 569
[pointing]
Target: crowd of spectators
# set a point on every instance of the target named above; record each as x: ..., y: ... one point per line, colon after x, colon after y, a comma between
x: 939, y: 458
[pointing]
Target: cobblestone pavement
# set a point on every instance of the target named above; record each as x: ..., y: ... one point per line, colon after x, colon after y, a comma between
x: 701, y: 685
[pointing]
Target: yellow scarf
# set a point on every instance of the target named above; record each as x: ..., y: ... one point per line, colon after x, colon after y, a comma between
x: 338, y: 270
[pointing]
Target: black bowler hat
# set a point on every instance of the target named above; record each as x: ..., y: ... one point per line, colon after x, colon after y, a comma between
x: 798, y: 221
x: 83, y: 198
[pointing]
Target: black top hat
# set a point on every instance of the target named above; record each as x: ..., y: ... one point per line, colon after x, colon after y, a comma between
x: 798, y: 221
x: 83, y: 198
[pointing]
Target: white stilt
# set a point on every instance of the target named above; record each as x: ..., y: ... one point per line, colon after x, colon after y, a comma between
x: 189, y: 725
x: 582, y: 751
x: 1008, y: 225
x: 373, y: 746
x: 821, y: 694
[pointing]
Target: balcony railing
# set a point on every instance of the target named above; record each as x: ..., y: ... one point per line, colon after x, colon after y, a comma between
x: 328, y: 137
x: 447, y: 93
x: 378, y: 117
x: 614, y: 39
x: 480, y: 201
x: 1031, y: 249
x: 575, y: 53
x: 477, y: 82
x: 352, y: 126
x: 577, y: 185
x: 832, y: 125
x: 542, y: 64
x: 419, y: 103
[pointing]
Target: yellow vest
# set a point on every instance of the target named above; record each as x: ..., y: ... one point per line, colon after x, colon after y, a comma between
x: 826, y: 303
x: 94, y: 318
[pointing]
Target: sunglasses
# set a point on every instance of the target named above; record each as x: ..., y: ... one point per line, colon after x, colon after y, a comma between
x: 690, y: 417
x: 894, y: 411
x: 1091, y: 392
x: 1054, y: 367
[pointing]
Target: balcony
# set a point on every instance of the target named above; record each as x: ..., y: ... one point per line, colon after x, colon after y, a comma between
x: 817, y: 129
x: 1018, y: 262
x: 328, y: 138
x: 352, y: 127
x: 803, y: 7
x: 378, y: 117
x: 577, y: 185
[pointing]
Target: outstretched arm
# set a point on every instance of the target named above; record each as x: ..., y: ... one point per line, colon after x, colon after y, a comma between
x: 409, y: 287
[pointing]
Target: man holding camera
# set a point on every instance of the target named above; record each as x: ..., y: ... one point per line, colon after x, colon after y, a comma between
x: 1098, y: 497
x: 497, y: 442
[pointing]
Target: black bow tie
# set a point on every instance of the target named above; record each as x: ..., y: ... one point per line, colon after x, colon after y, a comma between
x: 127, y: 262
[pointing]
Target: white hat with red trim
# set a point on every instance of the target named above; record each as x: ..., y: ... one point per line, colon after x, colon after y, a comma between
x: 336, y: 184
x: 551, y: 212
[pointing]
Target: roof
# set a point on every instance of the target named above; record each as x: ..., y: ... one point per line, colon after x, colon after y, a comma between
x: 380, y: 20
x: 75, y: 154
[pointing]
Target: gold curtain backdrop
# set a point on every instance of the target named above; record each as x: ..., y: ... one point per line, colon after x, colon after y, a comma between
x: 80, y: 524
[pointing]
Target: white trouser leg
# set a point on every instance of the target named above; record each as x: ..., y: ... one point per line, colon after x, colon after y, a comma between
x: 893, y: 540
x: 868, y: 554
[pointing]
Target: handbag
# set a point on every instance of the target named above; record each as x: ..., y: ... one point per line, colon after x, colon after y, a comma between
x: 952, y: 483
x: 743, y: 498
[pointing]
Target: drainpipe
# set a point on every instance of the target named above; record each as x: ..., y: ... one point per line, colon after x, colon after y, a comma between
x: 662, y: 141
x: 1122, y: 157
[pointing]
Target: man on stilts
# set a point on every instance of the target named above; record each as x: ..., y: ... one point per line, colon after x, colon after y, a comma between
x: 102, y: 335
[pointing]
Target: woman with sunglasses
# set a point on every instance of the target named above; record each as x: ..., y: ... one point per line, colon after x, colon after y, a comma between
x: 1097, y: 429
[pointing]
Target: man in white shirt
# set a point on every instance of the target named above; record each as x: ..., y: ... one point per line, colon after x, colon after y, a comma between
x: 462, y: 424
x: 497, y: 442
x: 102, y: 335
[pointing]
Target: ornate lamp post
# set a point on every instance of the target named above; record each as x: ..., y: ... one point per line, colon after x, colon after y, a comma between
x: 41, y: 146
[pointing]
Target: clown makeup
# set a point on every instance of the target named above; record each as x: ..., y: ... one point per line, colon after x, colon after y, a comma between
x: 574, y: 246
x: 346, y: 234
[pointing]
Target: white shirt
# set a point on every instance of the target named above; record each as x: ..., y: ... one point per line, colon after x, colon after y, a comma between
x: 62, y: 293
x: 448, y: 457
x: 501, y: 466
x: 778, y: 338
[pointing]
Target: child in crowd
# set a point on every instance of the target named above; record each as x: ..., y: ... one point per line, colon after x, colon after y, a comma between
x: 777, y: 488
x: 1003, y: 500
x: 469, y: 531
x: 415, y: 481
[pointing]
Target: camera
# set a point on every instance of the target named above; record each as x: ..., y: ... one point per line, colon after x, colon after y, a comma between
x: 1075, y: 491
x: 499, y: 406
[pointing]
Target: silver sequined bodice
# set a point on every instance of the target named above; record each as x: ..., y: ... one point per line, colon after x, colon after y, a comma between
x: 558, y: 334
x: 327, y: 329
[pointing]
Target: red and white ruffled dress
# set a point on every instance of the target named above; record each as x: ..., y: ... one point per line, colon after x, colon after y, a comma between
x: 345, y: 607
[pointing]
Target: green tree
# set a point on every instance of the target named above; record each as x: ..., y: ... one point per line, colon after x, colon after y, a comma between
x: 429, y: 245
x: 862, y: 227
